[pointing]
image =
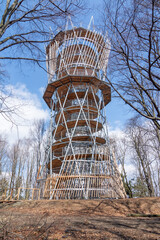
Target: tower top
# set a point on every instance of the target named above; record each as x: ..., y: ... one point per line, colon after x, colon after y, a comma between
x: 77, y: 48
x: 77, y: 53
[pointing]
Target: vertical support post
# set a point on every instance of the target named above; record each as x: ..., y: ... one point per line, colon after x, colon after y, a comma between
x: 33, y: 193
x: 39, y: 194
x: 19, y: 189
x: 51, y: 141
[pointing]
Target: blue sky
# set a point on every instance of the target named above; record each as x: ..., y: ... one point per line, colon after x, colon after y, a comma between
x: 28, y: 82
x: 35, y: 79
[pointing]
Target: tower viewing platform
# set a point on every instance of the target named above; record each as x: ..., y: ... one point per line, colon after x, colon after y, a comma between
x: 79, y: 163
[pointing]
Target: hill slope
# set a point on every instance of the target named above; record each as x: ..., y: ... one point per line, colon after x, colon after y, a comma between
x: 81, y: 219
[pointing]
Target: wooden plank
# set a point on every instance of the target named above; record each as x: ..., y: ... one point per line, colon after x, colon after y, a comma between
x: 106, y: 90
x: 38, y: 172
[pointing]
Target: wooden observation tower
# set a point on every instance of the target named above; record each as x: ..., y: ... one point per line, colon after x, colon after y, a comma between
x: 79, y: 164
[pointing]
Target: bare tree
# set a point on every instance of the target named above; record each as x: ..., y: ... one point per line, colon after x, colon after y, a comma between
x: 37, y: 135
x: 120, y: 149
x: 141, y: 145
x: 134, y: 66
x: 3, y: 159
x: 19, y: 163
x: 15, y: 161
x: 24, y: 25
x: 24, y: 28
x: 3, y: 152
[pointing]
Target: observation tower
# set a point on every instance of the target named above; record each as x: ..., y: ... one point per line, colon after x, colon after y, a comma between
x: 79, y: 163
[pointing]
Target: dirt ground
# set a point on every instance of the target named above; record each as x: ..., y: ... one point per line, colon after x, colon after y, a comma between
x: 81, y: 219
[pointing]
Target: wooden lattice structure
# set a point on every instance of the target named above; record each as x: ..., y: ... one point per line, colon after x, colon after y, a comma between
x: 78, y: 162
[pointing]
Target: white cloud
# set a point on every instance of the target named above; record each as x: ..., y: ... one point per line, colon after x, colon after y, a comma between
x: 41, y: 90
x: 130, y: 170
x: 25, y: 107
x: 5, y: 175
x: 119, y: 134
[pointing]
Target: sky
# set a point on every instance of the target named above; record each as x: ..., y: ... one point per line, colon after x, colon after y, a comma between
x: 30, y: 80
x: 26, y: 83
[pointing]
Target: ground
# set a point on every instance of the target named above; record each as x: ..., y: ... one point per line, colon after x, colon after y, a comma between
x: 81, y: 219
